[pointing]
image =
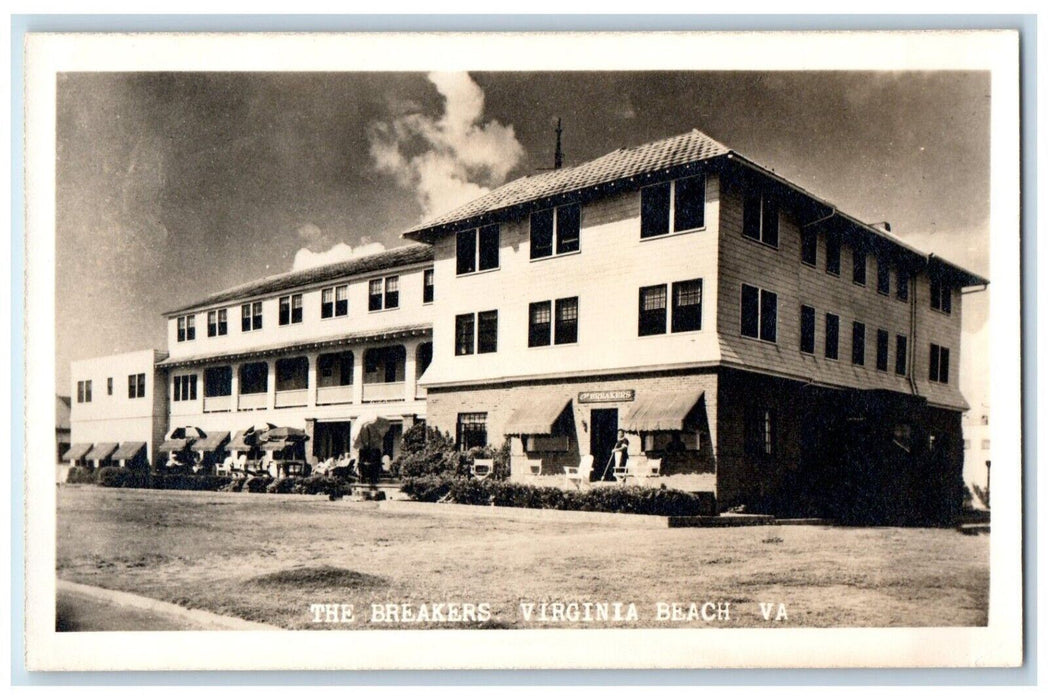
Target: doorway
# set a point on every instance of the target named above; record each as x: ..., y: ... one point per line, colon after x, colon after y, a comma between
x: 331, y: 439
x: 604, y: 428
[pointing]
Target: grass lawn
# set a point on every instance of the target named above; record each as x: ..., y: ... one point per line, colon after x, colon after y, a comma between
x: 266, y: 558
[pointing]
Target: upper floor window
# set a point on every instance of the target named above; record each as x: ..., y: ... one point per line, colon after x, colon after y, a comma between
x: 833, y: 254
x: 884, y: 276
x: 808, y: 330
x: 859, y: 266
x: 760, y: 217
x: 477, y: 249
x: 674, y: 206
x: 686, y: 298
x: 83, y: 391
x: 476, y: 333
x: 185, y: 387
x: 384, y: 293
x: 858, y: 343
x: 941, y: 300
x: 555, y: 231
x: 809, y: 247
x: 427, y: 285
x: 902, y: 284
x: 541, y: 328
x: 136, y: 385
x: 759, y: 313
x: 217, y: 323
x: 882, y: 350
x: 186, y: 328
x: 334, y: 301
x: 251, y: 316
x: 833, y: 331
x: 900, y: 355
x: 109, y: 386
x: 939, y: 364
x: 652, y: 315
x: 290, y: 309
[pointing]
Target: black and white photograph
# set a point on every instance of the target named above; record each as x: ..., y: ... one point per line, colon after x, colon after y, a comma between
x: 357, y: 334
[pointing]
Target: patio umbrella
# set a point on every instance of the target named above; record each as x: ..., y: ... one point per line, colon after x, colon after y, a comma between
x: 194, y: 433
x: 289, y: 434
x: 371, y: 433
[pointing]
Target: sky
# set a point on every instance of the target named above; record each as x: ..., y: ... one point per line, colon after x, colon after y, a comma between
x: 171, y: 186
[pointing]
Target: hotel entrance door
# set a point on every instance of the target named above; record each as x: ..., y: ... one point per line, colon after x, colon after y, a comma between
x: 604, y: 428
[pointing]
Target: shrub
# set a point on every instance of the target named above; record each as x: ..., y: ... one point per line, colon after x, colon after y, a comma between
x: 235, y: 485
x: 81, y: 475
x: 428, y: 489
x: 121, y: 477
x: 285, y: 484
x: 257, y: 484
x: 326, y: 485
x: 189, y: 482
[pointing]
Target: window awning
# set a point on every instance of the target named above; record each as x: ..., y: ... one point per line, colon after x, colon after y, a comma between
x: 278, y: 444
x: 664, y: 410
x: 128, y: 450
x: 102, y: 450
x: 240, y: 441
x: 214, y: 440
x: 175, y: 444
x: 77, y: 451
x: 537, y: 417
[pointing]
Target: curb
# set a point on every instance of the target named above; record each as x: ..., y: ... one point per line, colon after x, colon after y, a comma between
x: 630, y: 520
x: 201, y: 618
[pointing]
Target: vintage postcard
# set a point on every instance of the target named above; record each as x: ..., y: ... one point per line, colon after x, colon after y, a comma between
x: 512, y: 351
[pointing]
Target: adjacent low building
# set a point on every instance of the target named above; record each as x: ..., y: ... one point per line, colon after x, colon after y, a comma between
x: 750, y: 339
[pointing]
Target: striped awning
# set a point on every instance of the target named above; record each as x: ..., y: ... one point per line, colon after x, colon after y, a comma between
x: 214, y: 440
x: 174, y: 444
x: 102, y: 450
x: 664, y: 410
x: 77, y: 451
x: 242, y: 440
x: 537, y: 417
x: 278, y: 444
x: 129, y: 450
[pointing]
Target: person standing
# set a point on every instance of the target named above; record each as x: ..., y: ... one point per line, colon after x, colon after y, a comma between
x: 621, y: 452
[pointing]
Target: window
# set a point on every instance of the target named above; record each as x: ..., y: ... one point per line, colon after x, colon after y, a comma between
x: 477, y: 249
x: 427, y: 286
x: 985, y: 444
x: 109, y: 386
x: 218, y: 381
x: 808, y: 330
x: 487, y: 331
x: 334, y: 301
x: 290, y: 309
x: 902, y: 284
x: 900, y: 355
x: 335, y: 369
x: 465, y: 327
x: 941, y: 300
x: 83, y: 391
x: 392, y: 292
x: 884, y: 276
x: 251, y: 317
x: 859, y: 266
x: 759, y: 312
x: 673, y: 206
x: 939, y: 364
x: 652, y: 310
x: 833, y: 254
x: 254, y: 378
x: 760, y: 218
x: 809, y: 247
x: 759, y: 432
x: 384, y: 293
x: 186, y: 328
x: 567, y: 326
x: 555, y: 230
x: 833, y: 330
x: 217, y: 323
x: 882, y: 350
x: 185, y: 387
x: 858, y: 343
x: 687, y: 306
x: 292, y: 373
x: 984, y: 419
x: 539, y: 324
x: 136, y: 386
x: 472, y: 430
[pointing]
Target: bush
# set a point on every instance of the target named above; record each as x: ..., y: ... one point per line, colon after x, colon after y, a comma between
x: 603, y: 499
x: 235, y: 485
x: 426, y: 451
x: 323, y: 485
x: 285, y: 484
x: 190, y: 482
x: 81, y: 475
x: 257, y: 484
x: 121, y: 477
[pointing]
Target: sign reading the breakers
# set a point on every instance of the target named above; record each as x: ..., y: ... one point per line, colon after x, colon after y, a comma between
x: 751, y: 339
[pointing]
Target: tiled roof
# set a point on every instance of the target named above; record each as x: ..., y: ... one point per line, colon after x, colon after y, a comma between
x: 397, y: 257
x: 618, y: 165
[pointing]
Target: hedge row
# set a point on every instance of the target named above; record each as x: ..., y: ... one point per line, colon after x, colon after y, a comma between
x: 119, y: 477
x: 603, y: 499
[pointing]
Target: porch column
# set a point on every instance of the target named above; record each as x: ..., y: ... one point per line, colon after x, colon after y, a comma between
x: 271, y: 384
x: 234, y: 388
x: 409, y: 370
x: 311, y: 380
x: 311, y: 443
x: 358, y: 375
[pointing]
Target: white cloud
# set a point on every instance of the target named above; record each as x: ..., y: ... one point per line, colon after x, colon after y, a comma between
x: 322, y: 249
x: 450, y: 159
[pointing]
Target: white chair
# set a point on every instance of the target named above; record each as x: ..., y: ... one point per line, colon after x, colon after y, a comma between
x: 241, y: 464
x: 482, y: 468
x: 652, y: 469
x: 579, y: 474
x: 535, y: 467
x: 621, y: 471
x: 227, y: 466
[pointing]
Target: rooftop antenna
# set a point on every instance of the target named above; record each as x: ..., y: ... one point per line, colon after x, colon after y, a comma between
x: 558, y: 155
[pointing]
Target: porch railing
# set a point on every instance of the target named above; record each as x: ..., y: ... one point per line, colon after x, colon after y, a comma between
x: 335, y: 394
x: 387, y: 391
x: 250, y: 402
x: 292, y: 397
x: 218, y: 404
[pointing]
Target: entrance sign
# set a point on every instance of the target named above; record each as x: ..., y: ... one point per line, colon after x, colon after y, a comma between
x: 609, y: 396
